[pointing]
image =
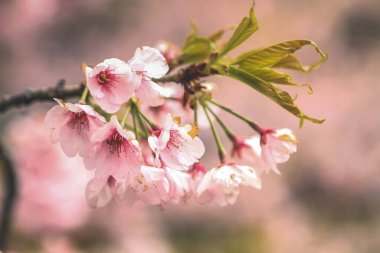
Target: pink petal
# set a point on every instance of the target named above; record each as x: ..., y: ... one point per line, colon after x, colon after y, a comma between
x: 55, y: 118
x: 106, y: 105
x: 92, y: 81
x: 153, y: 61
x: 98, y: 193
x: 250, y: 177
x: 180, y: 189
x: 72, y: 141
x: 151, y: 93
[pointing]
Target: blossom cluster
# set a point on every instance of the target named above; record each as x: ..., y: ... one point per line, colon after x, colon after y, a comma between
x: 137, y: 159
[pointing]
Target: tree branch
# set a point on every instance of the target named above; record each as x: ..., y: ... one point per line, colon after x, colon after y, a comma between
x: 183, y: 76
x: 46, y: 94
x: 10, y: 195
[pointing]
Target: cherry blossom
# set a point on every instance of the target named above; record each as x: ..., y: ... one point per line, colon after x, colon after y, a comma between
x: 174, y: 106
x: 223, y: 182
x: 177, y: 107
x: 151, y: 187
x: 72, y: 126
x: 197, y: 174
x: 100, y: 191
x: 180, y: 188
x: 266, y: 151
x: 168, y: 49
x: 177, y: 147
x: 111, y: 83
x: 249, y: 151
x: 277, y: 146
x: 114, y: 152
x: 146, y: 64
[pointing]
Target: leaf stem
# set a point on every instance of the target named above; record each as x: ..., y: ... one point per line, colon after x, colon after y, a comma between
x: 251, y: 123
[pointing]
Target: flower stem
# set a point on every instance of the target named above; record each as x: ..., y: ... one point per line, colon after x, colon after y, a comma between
x: 140, y: 133
x: 84, y: 94
x: 142, y: 125
x: 127, y: 110
x: 219, y: 144
x: 134, y: 112
x: 226, y: 129
x: 251, y: 123
x: 147, y: 120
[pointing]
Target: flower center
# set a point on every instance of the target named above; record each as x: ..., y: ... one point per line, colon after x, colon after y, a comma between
x: 79, y: 121
x: 117, y: 143
x: 140, y: 73
x: 111, y: 181
x: 103, y: 77
x: 175, y: 139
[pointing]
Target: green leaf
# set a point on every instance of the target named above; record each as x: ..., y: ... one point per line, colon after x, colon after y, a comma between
x: 217, y: 35
x: 197, y: 49
x: 279, y: 55
x: 271, y: 75
x: 193, y: 33
x: 277, y: 77
x: 271, y: 91
x: 245, y: 29
x: 291, y: 62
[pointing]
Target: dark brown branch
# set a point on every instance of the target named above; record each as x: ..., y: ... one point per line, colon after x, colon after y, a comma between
x: 46, y: 94
x: 190, y: 73
x: 10, y: 195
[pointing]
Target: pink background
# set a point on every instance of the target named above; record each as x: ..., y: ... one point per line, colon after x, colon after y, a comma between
x: 327, y: 199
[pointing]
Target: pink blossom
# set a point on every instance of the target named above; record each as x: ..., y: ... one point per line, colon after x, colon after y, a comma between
x: 223, y: 182
x: 151, y: 187
x: 111, y: 83
x: 249, y: 151
x: 177, y: 147
x: 168, y: 49
x: 277, y: 146
x: 266, y: 151
x: 146, y: 64
x: 114, y: 152
x: 72, y: 126
x: 100, y: 191
x: 197, y: 174
x: 51, y: 185
x: 179, y: 181
x: 176, y: 107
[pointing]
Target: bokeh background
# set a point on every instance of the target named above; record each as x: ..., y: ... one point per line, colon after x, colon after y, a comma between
x: 328, y: 198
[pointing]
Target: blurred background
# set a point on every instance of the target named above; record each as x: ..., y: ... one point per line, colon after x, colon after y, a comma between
x: 328, y: 198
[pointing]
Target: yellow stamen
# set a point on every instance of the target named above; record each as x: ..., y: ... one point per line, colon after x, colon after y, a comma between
x: 194, y: 131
